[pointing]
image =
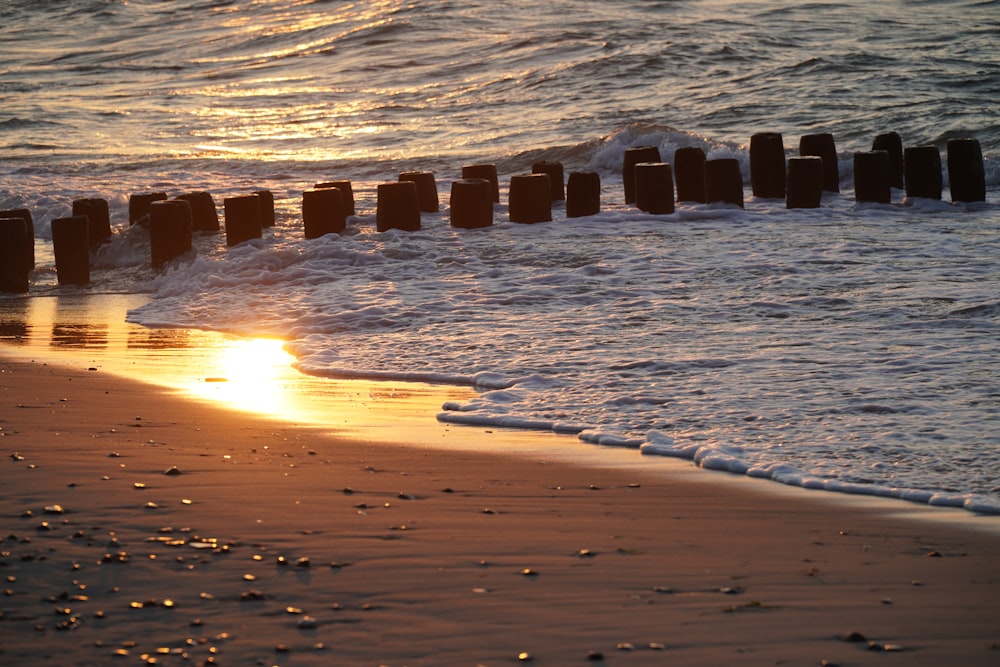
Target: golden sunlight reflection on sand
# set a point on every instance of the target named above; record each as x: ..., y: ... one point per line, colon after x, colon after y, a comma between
x: 252, y: 375
x: 249, y: 374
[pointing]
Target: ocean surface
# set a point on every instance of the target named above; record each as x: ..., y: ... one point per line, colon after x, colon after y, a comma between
x: 853, y: 347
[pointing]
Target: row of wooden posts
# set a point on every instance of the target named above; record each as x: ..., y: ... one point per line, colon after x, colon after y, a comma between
x: 648, y: 183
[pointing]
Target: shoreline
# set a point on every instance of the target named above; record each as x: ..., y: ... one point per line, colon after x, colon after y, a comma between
x: 255, y: 376
x: 142, y: 524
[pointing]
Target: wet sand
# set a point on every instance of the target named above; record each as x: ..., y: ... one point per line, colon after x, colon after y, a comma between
x: 143, y: 526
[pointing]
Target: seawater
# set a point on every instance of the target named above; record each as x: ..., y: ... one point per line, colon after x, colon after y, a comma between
x: 850, y: 348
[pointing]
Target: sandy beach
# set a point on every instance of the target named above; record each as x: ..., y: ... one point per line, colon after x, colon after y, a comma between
x: 142, y: 528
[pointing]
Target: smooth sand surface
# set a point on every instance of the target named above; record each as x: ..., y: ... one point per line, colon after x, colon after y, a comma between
x: 139, y: 527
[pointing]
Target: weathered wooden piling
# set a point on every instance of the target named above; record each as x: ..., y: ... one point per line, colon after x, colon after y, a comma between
x: 397, y: 206
x: 823, y: 146
x: 266, y: 200
x: 487, y: 171
x: 633, y: 156
x: 346, y: 193
x: 922, y: 172
x: 654, y: 188
x: 29, y: 246
x: 555, y: 174
x: 426, y: 189
x: 242, y: 219
x: 804, y: 182
x: 99, y: 217
x: 767, y: 165
x: 583, y: 194
x: 892, y: 144
x: 529, y: 199
x: 138, y: 206
x: 689, y: 174
x: 966, y: 171
x: 873, y: 177
x: 71, y: 246
x: 323, y: 212
x: 471, y: 203
x: 723, y: 181
x: 169, y: 230
x: 14, y: 266
x: 204, y: 214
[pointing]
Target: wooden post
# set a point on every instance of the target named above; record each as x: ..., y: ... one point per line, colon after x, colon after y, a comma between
x: 242, y: 219
x: 323, y: 212
x: 966, y: 172
x: 96, y: 211
x: 893, y: 146
x: 529, y: 198
x: 583, y: 194
x: 922, y: 172
x: 397, y: 206
x: 346, y: 193
x: 426, y: 189
x: 169, y: 230
x: 14, y: 267
x: 204, y: 215
x: 767, y: 165
x: 724, y: 181
x: 823, y: 146
x: 29, y: 246
x: 873, y: 177
x: 632, y: 157
x: 471, y: 203
x: 138, y: 206
x: 689, y: 172
x: 487, y: 171
x: 71, y: 245
x: 804, y: 182
x: 654, y: 188
x: 555, y: 173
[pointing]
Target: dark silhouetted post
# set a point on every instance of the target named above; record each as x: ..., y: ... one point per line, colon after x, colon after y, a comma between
x: 724, y: 181
x: 266, y: 199
x: 242, y: 219
x: 823, y: 146
x: 632, y: 157
x: 346, y: 193
x: 14, y: 267
x: 97, y: 213
x: 689, y: 173
x: 426, y: 189
x: 583, y: 194
x: 654, y: 188
x: 487, y: 171
x: 966, y: 172
x: 529, y: 198
x: 397, y: 206
x: 71, y: 246
x: 804, y: 184
x: 767, y: 165
x: 873, y: 177
x: 556, y: 180
x: 29, y: 247
x: 922, y: 172
x: 323, y: 212
x: 138, y: 206
x: 204, y: 215
x: 471, y: 203
x: 169, y: 230
x: 893, y: 145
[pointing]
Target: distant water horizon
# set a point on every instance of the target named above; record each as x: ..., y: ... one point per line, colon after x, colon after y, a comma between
x: 850, y: 348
